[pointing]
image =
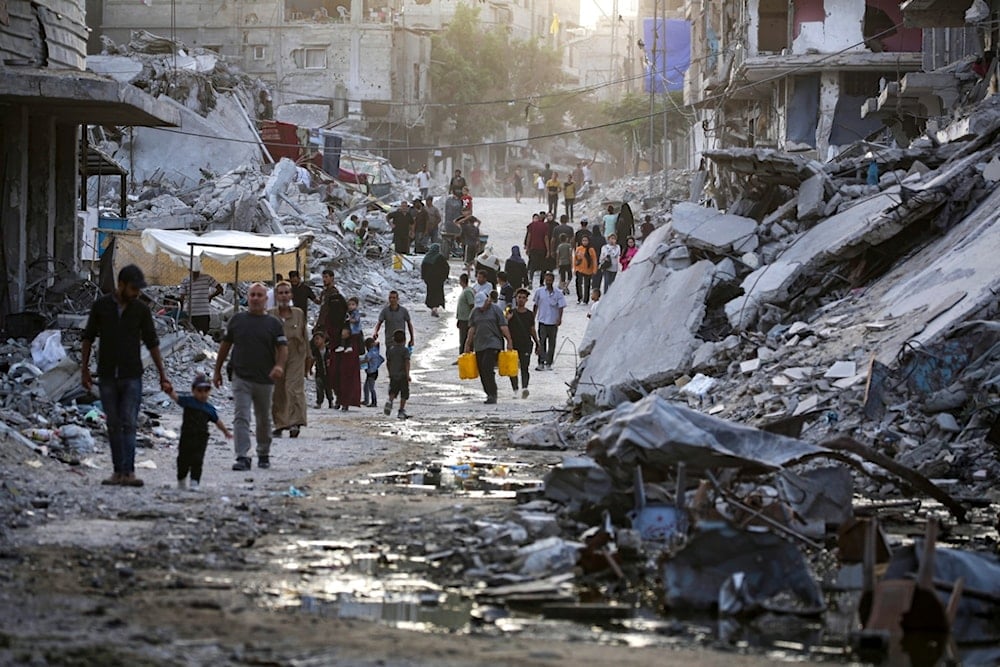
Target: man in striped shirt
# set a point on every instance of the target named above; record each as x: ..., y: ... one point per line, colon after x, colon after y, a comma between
x: 198, y: 290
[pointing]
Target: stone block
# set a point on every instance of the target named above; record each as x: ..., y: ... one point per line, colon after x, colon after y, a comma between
x: 709, y: 229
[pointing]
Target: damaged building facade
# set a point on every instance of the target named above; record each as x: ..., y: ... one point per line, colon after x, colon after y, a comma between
x: 793, y: 75
x: 349, y: 62
x: 45, y: 97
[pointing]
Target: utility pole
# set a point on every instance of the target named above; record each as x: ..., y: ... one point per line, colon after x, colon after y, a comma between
x: 614, y: 44
x: 666, y: 92
x: 652, y: 91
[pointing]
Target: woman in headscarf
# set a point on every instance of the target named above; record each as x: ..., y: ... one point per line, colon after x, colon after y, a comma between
x: 516, y: 269
x: 288, y: 405
x: 434, y: 271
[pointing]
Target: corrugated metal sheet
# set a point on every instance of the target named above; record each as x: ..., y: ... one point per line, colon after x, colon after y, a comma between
x: 19, y: 40
x: 48, y: 33
x: 66, y: 40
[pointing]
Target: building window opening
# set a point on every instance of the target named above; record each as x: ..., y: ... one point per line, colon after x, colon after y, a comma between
x: 772, y: 27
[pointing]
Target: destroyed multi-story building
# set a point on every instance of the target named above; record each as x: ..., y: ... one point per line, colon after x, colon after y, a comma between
x: 45, y: 97
x: 350, y: 61
x: 361, y: 64
x: 793, y: 75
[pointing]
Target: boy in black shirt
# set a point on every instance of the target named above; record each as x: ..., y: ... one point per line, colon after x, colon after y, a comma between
x: 398, y: 363
x: 317, y: 362
x: 194, y: 430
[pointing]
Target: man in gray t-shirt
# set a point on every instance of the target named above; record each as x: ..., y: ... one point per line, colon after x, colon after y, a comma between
x: 395, y: 317
x: 487, y: 333
x: 260, y: 351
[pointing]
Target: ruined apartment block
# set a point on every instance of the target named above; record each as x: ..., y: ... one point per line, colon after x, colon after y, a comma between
x: 353, y: 58
x: 794, y: 74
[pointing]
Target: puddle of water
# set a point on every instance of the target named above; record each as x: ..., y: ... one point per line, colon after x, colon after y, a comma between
x: 356, y: 579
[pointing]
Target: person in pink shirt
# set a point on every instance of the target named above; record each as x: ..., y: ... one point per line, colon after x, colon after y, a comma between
x: 628, y: 252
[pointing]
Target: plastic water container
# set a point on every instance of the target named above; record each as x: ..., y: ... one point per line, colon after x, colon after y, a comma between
x: 467, y: 367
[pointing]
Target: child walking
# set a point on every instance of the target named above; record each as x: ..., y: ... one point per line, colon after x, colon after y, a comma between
x: 194, y: 430
x: 318, y: 360
x: 398, y: 363
x: 371, y: 363
x: 564, y: 260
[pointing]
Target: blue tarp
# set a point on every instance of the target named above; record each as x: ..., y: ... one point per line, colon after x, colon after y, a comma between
x: 672, y: 44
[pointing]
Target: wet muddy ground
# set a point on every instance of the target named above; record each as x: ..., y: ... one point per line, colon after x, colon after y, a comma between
x: 359, y: 547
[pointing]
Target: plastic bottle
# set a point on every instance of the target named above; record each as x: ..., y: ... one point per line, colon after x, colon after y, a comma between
x: 39, y: 434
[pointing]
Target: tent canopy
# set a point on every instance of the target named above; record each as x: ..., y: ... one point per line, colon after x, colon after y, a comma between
x: 228, y: 256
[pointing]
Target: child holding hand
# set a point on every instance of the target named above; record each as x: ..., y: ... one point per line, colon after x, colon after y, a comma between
x: 198, y: 412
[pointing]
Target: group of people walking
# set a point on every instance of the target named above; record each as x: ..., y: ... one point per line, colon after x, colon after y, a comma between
x: 591, y: 254
x: 264, y: 354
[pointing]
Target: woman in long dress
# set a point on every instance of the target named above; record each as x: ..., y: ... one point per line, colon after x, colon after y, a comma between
x: 434, y: 271
x: 288, y: 405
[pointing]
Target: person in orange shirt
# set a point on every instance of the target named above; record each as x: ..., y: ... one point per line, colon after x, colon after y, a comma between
x: 585, y: 266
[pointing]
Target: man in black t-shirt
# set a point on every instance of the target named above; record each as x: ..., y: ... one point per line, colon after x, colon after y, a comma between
x: 121, y: 321
x: 521, y: 323
x: 457, y: 184
x: 302, y: 294
x: 401, y: 223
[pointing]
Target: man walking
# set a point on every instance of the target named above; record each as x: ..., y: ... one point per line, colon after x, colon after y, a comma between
x: 433, y: 222
x: 260, y: 351
x: 198, y: 290
x: 121, y: 322
x: 401, y: 223
x: 569, y: 196
x: 457, y: 184
x: 536, y: 242
x: 394, y: 317
x: 423, y: 181
x: 487, y: 332
x: 553, y: 187
x: 549, y: 305
x: 466, y: 302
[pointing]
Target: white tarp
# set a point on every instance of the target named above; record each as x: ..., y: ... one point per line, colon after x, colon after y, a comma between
x: 227, y: 256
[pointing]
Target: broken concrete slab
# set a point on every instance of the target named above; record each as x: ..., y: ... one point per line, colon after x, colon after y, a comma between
x: 192, y: 146
x: 665, y: 308
x: 811, y: 201
x: 710, y: 229
x: 832, y: 240
x: 841, y: 369
x: 964, y: 261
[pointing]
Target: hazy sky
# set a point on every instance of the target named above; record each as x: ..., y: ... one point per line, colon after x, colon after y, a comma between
x: 591, y: 10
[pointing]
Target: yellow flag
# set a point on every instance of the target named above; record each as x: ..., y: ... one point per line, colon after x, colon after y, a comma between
x: 554, y: 28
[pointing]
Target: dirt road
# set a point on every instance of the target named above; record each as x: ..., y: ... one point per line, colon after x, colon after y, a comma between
x: 292, y: 565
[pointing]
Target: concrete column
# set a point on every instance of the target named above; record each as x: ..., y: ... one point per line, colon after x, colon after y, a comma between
x: 67, y: 230
x: 40, y: 224
x: 829, y: 93
x: 357, y: 11
x: 14, y: 206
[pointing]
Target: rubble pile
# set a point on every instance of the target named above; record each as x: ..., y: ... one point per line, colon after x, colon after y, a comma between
x: 818, y: 297
x: 192, y: 77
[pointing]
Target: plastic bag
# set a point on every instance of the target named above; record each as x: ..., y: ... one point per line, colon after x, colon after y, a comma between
x: 47, y: 350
